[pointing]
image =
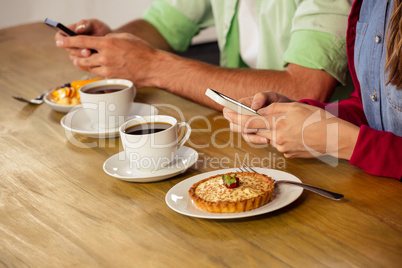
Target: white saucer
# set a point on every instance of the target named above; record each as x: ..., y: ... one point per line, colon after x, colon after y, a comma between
x: 120, y: 169
x: 178, y: 199
x: 78, y: 122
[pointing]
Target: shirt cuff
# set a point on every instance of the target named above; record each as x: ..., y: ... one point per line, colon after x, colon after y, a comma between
x: 176, y: 28
x: 378, y: 153
x: 318, y: 50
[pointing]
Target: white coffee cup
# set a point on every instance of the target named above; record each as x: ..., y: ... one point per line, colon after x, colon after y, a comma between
x: 152, y: 151
x: 110, y: 109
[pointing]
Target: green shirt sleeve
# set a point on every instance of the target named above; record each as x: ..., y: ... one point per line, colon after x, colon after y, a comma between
x: 318, y: 36
x: 179, y: 20
x: 176, y: 28
x: 318, y: 50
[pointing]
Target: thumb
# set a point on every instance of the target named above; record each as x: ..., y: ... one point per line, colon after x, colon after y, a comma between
x: 83, y: 27
x: 259, y: 100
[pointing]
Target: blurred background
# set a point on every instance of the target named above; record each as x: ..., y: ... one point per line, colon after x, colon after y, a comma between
x: 115, y: 12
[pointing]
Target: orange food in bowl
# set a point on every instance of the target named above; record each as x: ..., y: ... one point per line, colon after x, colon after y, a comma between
x: 69, y: 94
x: 78, y: 84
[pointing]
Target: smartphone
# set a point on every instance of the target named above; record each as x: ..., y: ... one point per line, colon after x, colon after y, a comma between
x: 230, y: 103
x: 60, y: 26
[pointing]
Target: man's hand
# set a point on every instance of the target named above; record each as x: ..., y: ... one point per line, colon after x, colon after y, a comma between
x: 92, y: 27
x: 119, y: 55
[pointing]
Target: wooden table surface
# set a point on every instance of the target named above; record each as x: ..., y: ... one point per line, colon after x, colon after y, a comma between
x: 58, y: 208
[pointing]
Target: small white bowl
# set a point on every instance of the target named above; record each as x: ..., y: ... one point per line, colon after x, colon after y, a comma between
x: 57, y: 107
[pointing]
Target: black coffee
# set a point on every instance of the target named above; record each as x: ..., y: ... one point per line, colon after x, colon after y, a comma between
x: 147, y: 128
x: 105, y: 89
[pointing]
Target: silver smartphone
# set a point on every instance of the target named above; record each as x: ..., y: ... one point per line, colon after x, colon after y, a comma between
x: 229, y: 102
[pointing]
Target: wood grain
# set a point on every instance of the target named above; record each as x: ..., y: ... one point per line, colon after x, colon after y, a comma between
x: 58, y: 208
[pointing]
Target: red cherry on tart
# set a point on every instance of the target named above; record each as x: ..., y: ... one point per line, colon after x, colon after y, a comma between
x: 230, y: 181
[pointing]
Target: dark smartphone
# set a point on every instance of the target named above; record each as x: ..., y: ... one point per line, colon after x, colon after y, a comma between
x: 60, y: 26
x: 66, y: 30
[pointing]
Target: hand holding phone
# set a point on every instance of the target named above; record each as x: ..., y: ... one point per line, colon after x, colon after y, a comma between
x: 230, y: 103
x: 64, y: 29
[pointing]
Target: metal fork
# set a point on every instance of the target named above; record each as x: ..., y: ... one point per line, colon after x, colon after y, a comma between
x: 325, y: 193
x: 37, y: 100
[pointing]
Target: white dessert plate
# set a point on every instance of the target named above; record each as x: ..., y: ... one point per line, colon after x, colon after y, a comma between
x: 118, y: 166
x: 179, y: 200
x: 77, y: 121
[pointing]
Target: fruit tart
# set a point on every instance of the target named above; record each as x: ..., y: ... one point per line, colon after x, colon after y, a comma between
x: 232, y: 192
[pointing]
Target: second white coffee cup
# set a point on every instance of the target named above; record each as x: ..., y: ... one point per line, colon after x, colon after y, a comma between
x: 151, y: 142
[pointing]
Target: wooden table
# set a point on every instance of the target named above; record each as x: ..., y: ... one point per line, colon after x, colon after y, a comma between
x: 58, y: 208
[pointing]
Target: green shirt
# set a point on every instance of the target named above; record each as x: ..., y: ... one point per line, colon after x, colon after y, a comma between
x: 309, y: 33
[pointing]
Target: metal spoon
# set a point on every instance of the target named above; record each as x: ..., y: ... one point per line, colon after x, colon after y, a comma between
x: 38, y: 100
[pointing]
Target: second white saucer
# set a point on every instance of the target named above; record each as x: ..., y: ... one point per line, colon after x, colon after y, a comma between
x: 118, y: 166
x: 76, y: 121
